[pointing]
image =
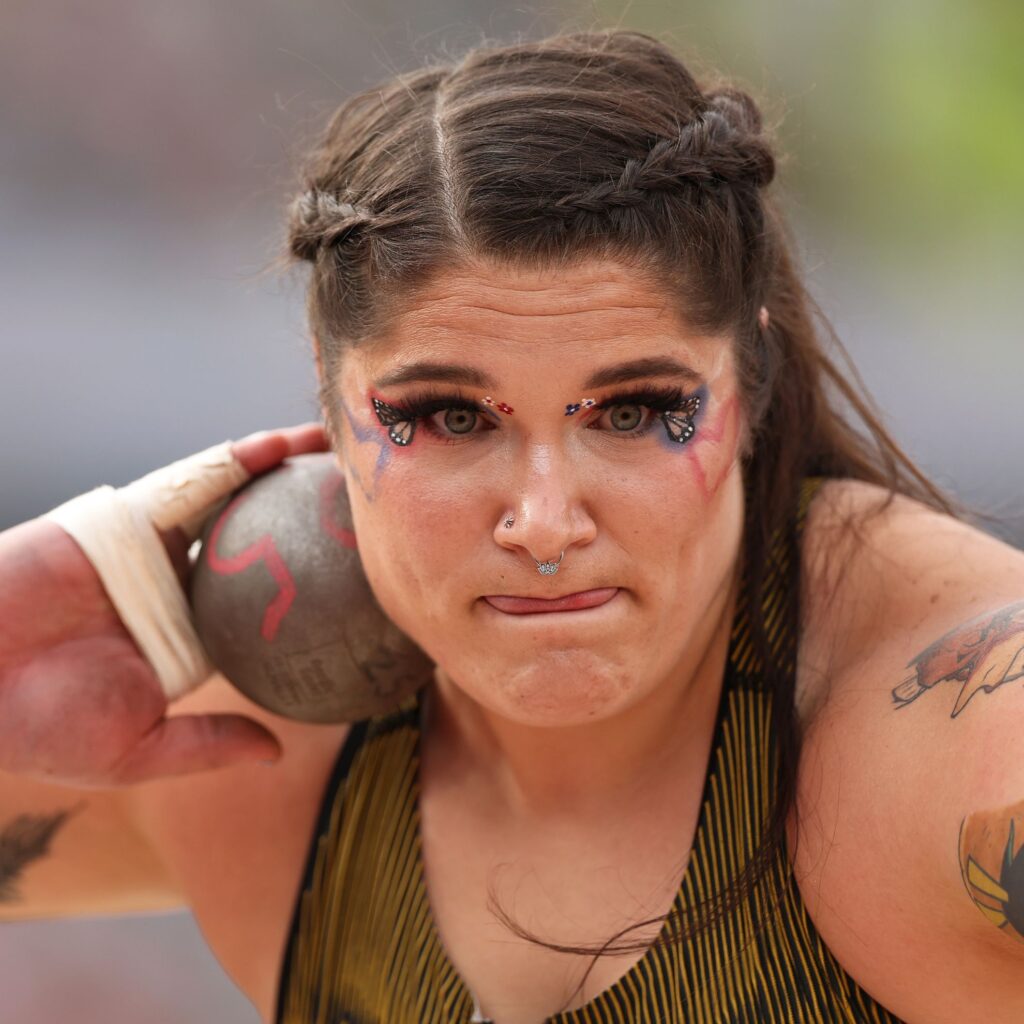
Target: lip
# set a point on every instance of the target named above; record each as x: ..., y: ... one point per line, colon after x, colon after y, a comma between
x: 577, y: 601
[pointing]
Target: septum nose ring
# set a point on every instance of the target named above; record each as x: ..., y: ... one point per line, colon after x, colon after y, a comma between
x: 549, y: 568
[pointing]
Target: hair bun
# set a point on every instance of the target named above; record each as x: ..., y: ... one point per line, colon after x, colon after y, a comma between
x: 737, y: 107
x: 319, y: 219
x: 733, y: 142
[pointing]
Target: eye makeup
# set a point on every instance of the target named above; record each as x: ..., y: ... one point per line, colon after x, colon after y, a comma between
x: 676, y: 411
x: 500, y: 406
x: 403, y: 420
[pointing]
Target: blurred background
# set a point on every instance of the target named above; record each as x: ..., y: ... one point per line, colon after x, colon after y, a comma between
x: 148, y: 150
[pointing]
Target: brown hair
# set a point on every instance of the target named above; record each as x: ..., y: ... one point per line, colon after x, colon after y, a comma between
x: 601, y: 144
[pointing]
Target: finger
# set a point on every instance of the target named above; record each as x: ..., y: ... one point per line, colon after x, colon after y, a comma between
x: 184, y: 744
x: 309, y: 437
x: 176, y: 494
x: 257, y: 454
x: 265, y: 449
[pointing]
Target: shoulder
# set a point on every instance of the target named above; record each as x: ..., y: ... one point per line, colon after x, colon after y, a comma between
x: 236, y: 840
x: 910, y: 778
x: 882, y: 572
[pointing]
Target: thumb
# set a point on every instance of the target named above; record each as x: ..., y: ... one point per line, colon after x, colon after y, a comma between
x: 185, y: 744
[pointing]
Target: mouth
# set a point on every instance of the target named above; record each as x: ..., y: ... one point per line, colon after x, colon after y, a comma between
x: 578, y: 601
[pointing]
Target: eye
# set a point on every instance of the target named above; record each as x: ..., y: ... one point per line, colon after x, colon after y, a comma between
x: 460, y: 421
x: 626, y: 417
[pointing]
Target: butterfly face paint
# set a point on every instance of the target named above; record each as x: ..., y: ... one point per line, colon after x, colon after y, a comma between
x: 401, y: 426
x: 462, y: 416
x: 679, y: 425
x: 625, y: 412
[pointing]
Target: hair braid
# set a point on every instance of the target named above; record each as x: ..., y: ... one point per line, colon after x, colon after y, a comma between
x: 721, y: 144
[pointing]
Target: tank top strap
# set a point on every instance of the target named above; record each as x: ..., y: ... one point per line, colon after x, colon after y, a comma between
x: 358, y: 738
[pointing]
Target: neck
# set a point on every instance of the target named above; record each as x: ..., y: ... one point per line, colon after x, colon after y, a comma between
x: 582, y: 769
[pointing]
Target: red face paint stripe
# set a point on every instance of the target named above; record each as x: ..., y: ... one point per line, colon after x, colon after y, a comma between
x: 261, y: 550
x: 715, y: 432
x: 328, y: 493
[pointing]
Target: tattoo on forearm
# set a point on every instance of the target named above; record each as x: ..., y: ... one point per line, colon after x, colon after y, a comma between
x: 991, y: 855
x: 23, y: 840
x: 982, y: 654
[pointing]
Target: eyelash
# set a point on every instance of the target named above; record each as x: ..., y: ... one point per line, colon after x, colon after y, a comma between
x: 656, y: 400
x: 420, y: 407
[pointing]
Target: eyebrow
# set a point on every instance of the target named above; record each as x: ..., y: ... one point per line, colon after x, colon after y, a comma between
x: 469, y: 376
x: 449, y: 373
x: 651, y: 366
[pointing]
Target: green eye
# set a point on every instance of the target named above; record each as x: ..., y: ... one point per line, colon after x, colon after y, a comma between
x: 626, y: 417
x: 459, y: 421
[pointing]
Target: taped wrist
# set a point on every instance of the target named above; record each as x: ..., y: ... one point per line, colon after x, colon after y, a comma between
x: 116, y: 528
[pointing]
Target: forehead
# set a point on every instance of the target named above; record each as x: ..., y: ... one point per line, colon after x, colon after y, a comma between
x: 563, y: 317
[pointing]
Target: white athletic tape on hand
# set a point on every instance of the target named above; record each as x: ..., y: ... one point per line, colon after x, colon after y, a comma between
x: 180, y: 494
x: 116, y: 528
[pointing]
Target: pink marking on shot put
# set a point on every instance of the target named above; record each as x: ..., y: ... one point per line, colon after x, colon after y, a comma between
x: 263, y: 549
x: 328, y: 493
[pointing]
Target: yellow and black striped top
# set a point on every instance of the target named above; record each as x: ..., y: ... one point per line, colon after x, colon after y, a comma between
x: 363, y: 947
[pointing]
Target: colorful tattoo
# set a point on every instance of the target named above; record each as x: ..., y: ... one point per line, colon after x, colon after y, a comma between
x: 981, y: 654
x: 992, y: 866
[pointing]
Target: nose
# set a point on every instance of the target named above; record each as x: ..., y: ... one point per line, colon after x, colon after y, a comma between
x: 549, y: 508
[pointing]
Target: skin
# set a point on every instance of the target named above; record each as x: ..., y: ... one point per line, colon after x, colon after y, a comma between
x: 989, y: 847
x: 612, y: 724
x: 573, y: 708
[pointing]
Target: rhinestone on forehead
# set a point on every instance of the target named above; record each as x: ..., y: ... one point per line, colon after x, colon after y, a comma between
x: 500, y: 406
x: 584, y: 403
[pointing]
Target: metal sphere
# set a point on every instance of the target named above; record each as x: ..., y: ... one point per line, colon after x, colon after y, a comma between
x: 283, y: 608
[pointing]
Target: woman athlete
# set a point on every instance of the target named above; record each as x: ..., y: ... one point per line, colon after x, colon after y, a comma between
x: 724, y: 717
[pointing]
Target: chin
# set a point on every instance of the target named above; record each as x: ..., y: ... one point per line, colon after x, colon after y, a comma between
x: 575, y: 689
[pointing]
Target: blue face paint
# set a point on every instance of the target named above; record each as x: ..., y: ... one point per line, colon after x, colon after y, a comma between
x: 364, y: 434
x: 681, y: 423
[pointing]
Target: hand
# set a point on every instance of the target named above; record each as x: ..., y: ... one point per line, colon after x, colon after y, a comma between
x: 79, y: 703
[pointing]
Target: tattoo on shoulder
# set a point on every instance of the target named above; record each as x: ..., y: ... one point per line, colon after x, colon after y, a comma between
x: 982, y: 654
x: 25, y: 839
x: 991, y: 855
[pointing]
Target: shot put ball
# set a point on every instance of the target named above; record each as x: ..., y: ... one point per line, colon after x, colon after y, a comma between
x: 283, y: 608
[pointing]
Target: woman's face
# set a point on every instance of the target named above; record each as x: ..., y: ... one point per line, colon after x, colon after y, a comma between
x: 573, y: 404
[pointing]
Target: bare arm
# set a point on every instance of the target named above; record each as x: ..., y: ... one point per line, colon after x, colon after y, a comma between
x: 911, y: 766
x: 83, y: 719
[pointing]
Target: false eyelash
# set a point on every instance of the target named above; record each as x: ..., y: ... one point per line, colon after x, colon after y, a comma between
x: 666, y: 404
x: 422, y: 404
x: 402, y: 419
x: 657, y: 399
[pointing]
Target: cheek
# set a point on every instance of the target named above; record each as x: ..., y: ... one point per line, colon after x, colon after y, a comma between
x: 714, y: 452
x: 413, y: 532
